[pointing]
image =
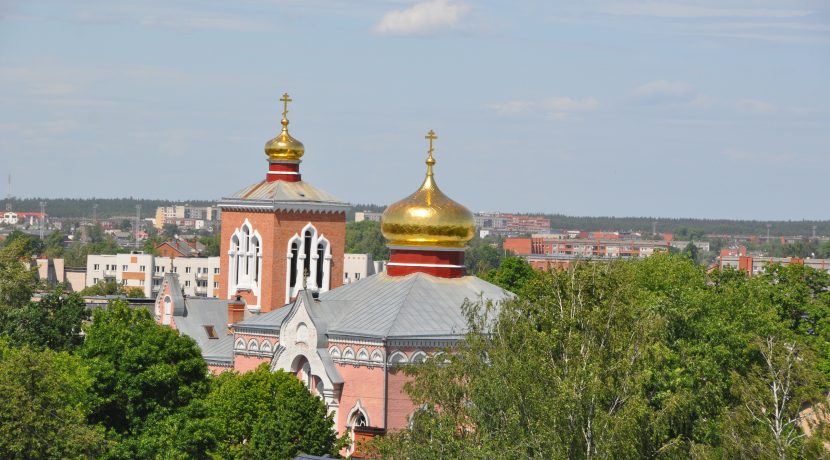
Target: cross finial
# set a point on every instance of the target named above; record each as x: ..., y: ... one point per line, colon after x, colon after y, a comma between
x: 285, y: 100
x: 430, y: 160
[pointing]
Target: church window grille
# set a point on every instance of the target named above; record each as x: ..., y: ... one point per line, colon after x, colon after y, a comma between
x: 360, y: 420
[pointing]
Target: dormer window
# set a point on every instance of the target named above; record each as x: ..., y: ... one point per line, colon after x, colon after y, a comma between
x: 211, y: 331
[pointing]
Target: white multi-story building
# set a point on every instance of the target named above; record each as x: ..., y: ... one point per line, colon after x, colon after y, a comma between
x: 359, y: 266
x: 199, y: 276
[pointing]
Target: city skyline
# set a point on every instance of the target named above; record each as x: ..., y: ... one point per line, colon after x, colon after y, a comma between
x: 715, y: 110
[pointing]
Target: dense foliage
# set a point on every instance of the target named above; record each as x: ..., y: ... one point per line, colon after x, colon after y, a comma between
x: 641, y: 359
x: 130, y: 388
x: 365, y: 238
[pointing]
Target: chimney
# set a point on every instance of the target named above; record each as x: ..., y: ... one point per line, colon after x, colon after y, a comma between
x: 236, y: 310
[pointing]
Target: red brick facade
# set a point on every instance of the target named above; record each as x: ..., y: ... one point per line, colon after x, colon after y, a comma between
x: 276, y: 229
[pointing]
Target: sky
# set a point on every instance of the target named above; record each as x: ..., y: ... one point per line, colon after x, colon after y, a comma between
x: 677, y: 108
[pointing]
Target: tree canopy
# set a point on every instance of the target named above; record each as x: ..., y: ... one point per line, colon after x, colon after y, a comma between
x: 140, y: 369
x: 44, y: 395
x: 641, y: 359
x: 365, y: 238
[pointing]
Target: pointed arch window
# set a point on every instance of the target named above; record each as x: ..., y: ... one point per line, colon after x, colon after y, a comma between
x: 307, y: 248
x: 254, y: 257
x: 321, y: 262
x: 245, y: 260
x: 235, y: 256
x: 295, y: 255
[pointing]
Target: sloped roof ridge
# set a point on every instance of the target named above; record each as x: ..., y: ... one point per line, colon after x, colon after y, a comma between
x: 415, y: 277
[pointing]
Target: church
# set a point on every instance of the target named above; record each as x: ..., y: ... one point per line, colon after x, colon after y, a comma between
x: 285, y: 303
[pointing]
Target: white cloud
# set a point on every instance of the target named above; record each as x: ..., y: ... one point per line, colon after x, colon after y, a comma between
x: 561, y: 108
x: 702, y: 101
x: 755, y: 106
x: 557, y: 108
x: 422, y: 17
x: 513, y: 107
x: 661, y: 88
x: 678, y: 10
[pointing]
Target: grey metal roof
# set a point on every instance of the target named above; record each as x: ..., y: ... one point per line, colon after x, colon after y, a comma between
x: 280, y: 194
x: 176, y: 296
x: 201, y: 312
x: 412, y: 306
x: 219, y: 351
x: 383, y: 306
x: 271, y: 320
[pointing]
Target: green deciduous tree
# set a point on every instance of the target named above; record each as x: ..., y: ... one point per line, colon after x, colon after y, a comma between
x: 483, y: 255
x: 259, y: 414
x: 44, y: 400
x: 639, y: 359
x: 141, y: 370
x: 53, y: 322
x: 512, y: 275
x: 365, y: 238
x: 264, y: 414
x: 16, y: 281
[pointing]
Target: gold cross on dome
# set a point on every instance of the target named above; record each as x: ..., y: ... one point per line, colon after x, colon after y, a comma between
x: 285, y: 100
x: 430, y: 137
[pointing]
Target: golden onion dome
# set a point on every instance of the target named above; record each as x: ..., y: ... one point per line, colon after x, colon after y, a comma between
x: 284, y: 147
x: 428, y: 217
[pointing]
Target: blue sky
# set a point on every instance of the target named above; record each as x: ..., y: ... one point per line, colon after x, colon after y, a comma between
x: 682, y: 108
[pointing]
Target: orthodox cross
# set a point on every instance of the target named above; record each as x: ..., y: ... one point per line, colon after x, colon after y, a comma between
x: 430, y: 137
x: 285, y: 100
x: 430, y: 161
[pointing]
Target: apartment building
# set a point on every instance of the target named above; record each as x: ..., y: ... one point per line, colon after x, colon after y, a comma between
x: 199, y: 275
x: 496, y: 223
x: 358, y: 266
x: 565, y: 248
x: 754, y: 265
x: 195, y: 217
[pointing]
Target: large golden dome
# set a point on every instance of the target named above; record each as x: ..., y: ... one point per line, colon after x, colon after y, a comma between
x: 284, y: 147
x: 428, y: 217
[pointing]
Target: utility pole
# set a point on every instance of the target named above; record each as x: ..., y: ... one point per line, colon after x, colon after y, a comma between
x: 42, y: 218
x: 137, y: 223
x: 9, y: 195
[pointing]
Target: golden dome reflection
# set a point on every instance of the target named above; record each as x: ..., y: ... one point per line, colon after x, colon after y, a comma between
x: 428, y: 217
x: 284, y: 147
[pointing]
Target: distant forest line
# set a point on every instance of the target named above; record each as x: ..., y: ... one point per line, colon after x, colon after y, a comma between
x: 121, y: 207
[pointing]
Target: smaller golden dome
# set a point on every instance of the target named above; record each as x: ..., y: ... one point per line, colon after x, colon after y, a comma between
x: 428, y: 217
x: 284, y: 147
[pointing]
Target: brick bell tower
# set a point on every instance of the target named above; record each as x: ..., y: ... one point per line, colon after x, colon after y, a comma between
x: 427, y: 231
x: 280, y: 234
